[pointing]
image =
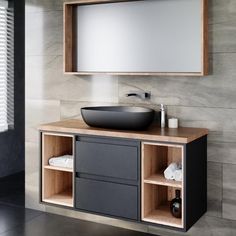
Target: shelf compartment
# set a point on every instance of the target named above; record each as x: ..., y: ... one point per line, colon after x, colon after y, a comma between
x: 57, y: 182
x: 155, y: 159
x: 159, y: 179
x: 58, y: 168
x: 156, y: 205
x: 56, y: 145
x: 57, y: 187
x: 161, y: 216
x: 157, y: 192
x: 62, y: 198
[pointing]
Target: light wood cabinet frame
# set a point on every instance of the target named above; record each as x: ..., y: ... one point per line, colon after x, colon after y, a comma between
x: 69, y: 44
x: 157, y: 193
x: 57, y: 182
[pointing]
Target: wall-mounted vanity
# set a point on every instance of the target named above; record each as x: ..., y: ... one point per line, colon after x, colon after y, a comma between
x: 118, y: 173
x: 151, y: 37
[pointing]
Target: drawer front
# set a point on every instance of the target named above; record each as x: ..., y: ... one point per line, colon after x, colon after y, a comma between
x: 108, y: 160
x: 107, y: 198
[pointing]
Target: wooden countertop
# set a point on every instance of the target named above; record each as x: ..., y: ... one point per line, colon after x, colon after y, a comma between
x: 153, y: 133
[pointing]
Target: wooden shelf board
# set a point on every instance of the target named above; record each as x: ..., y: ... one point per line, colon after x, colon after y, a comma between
x: 159, y: 179
x: 58, y: 168
x: 163, y: 216
x: 64, y: 198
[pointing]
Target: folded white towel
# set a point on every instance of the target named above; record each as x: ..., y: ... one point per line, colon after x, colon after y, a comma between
x: 173, y: 172
x: 169, y: 172
x: 62, y: 161
x: 178, y: 175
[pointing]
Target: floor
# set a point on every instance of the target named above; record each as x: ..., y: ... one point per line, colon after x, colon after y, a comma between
x: 18, y: 221
x: 15, y: 220
x: 13, y: 190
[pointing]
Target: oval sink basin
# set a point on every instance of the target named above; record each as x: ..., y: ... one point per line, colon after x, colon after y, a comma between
x: 118, y: 117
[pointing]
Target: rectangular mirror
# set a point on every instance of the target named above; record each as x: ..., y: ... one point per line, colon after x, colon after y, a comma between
x: 151, y: 37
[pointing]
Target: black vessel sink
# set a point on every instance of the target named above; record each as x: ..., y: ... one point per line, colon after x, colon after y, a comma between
x: 118, y: 117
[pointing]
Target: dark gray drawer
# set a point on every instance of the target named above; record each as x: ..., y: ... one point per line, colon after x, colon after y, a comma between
x: 107, y: 198
x: 107, y: 159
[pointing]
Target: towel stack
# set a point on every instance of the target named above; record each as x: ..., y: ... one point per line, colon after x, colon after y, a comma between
x: 62, y: 161
x: 173, y: 172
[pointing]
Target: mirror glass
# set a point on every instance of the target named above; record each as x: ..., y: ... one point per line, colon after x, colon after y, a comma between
x: 139, y: 36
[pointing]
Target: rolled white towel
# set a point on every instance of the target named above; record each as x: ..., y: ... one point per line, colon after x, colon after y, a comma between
x: 178, y: 175
x: 169, y: 172
x: 62, y: 161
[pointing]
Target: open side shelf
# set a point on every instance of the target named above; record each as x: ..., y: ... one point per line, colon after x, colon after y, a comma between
x: 57, y: 182
x: 163, y: 216
x: 156, y: 205
x: 157, y: 192
x: 58, y: 187
x: 156, y: 158
x: 63, y: 198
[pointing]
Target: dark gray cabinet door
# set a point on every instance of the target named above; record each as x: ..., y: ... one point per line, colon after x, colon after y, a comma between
x: 107, y: 198
x: 107, y: 159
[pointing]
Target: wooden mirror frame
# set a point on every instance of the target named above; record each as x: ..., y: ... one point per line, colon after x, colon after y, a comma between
x: 69, y: 44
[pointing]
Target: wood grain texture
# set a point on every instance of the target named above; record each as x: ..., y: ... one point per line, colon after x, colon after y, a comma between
x: 63, y: 198
x: 205, y: 38
x: 154, y: 160
x: 57, y: 183
x: 156, y: 207
x: 153, y: 133
x: 87, y: 2
x: 58, y: 168
x: 54, y: 146
x: 157, y: 192
x: 68, y: 38
x: 68, y: 43
x: 136, y: 73
x: 159, y: 179
x: 163, y: 216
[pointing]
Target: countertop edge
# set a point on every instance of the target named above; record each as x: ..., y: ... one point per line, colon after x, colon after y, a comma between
x: 86, y: 130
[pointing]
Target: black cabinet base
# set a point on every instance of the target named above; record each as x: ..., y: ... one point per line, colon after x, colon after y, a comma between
x: 116, y: 194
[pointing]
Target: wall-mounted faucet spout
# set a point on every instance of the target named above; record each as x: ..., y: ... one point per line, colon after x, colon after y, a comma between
x: 142, y: 95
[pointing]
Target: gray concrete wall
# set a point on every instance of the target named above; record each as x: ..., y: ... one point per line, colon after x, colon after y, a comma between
x: 198, y: 102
